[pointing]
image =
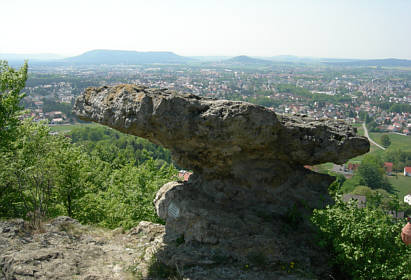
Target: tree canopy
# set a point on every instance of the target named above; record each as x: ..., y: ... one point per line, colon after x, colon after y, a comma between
x: 12, y: 83
x: 105, y: 177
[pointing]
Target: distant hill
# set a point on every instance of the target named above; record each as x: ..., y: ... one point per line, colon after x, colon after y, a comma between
x: 293, y: 59
x: 126, y: 57
x: 209, y: 58
x: 243, y: 59
x: 388, y: 62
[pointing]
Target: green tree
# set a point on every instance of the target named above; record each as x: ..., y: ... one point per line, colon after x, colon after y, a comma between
x: 363, y: 190
x: 371, y: 173
x: 385, y: 140
x: 28, y: 172
x: 127, y: 197
x: 336, y: 186
x: 366, y: 242
x: 12, y: 83
x: 72, y: 171
x: 44, y: 175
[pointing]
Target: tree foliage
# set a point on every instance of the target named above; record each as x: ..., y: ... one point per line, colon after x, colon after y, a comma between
x: 398, y: 157
x: 365, y: 242
x: 41, y: 174
x: 371, y: 173
x: 46, y: 175
x: 109, y: 178
x: 12, y: 83
x: 385, y: 140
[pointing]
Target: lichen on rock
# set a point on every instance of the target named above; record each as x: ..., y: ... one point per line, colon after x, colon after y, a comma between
x: 250, y: 194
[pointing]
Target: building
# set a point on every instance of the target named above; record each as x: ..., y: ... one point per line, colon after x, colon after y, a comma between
x: 351, y: 167
x: 388, y: 167
x: 407, y: 199
x: 407, y: 171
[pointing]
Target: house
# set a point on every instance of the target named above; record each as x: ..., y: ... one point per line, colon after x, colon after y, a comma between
x: 407, y: 199
x: 361, y: 199
x: 388, y: 168
x: 407, y: 171
x: 351, y: 167
x: 57, y: 121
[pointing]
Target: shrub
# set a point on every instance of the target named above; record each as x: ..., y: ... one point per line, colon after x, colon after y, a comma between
x: 366, y: 242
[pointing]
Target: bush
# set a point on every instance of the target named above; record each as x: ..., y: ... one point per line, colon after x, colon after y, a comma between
x: 365, y: 242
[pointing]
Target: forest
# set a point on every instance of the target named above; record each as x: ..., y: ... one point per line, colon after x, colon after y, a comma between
x: 97, y: 175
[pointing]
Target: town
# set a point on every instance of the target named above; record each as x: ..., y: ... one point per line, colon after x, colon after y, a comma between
x: 378, y: 97
x: 384, y: 95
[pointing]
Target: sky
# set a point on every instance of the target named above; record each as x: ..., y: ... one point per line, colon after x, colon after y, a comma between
x: 311, y: 28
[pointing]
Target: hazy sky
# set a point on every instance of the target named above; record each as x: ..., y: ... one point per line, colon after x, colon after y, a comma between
x: 320, y: 28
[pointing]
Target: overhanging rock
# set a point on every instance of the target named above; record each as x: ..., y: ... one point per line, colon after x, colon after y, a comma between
x: 250, y: 195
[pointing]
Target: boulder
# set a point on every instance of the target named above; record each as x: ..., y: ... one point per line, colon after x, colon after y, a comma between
x: 249, y: 198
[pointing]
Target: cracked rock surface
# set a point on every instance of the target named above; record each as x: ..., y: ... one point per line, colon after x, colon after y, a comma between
x: 65, y: 249
x: 219, y: 138
x: 250, y: 197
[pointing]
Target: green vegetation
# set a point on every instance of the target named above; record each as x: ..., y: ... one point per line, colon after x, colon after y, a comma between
x: 66, y: 128
x: 385, y: 140
x: 315, y: 97
x: 398, y: 152
x: 399, y: 108
x: 117, y: 148
x: 11, y: 84
x: 98, y: 176
x: 399, y: 158
x: 65, y: 108
x: 365, y: 242
x: 402, y: 142
x: 360, y: 129
x: 370, y: 173
x: 402, y: 185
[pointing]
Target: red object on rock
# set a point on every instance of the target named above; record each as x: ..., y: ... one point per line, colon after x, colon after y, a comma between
x: 406, y: 233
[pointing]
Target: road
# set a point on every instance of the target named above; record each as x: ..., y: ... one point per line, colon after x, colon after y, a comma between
x: 369, y: 139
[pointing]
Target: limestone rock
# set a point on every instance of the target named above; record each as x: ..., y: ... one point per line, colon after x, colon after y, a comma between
x: 218, y: 137
x: 248, y: 202
x: 65, y: 249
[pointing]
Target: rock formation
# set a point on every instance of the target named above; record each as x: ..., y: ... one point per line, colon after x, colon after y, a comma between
x: 250, y: 196
x: 63, y: 249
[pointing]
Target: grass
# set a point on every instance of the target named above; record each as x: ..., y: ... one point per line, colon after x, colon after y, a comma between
x: 373, y: 150
x: 401, y: 183
x: 360, y: 129
x: 402, y: 142
x: 324, y: 167
x: 69, y: 127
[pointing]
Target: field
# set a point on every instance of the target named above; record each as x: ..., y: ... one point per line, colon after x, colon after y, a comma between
x: 402, y: 142
x: 360, y: 130
x: 401, y: 183
x: 68, y: 127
